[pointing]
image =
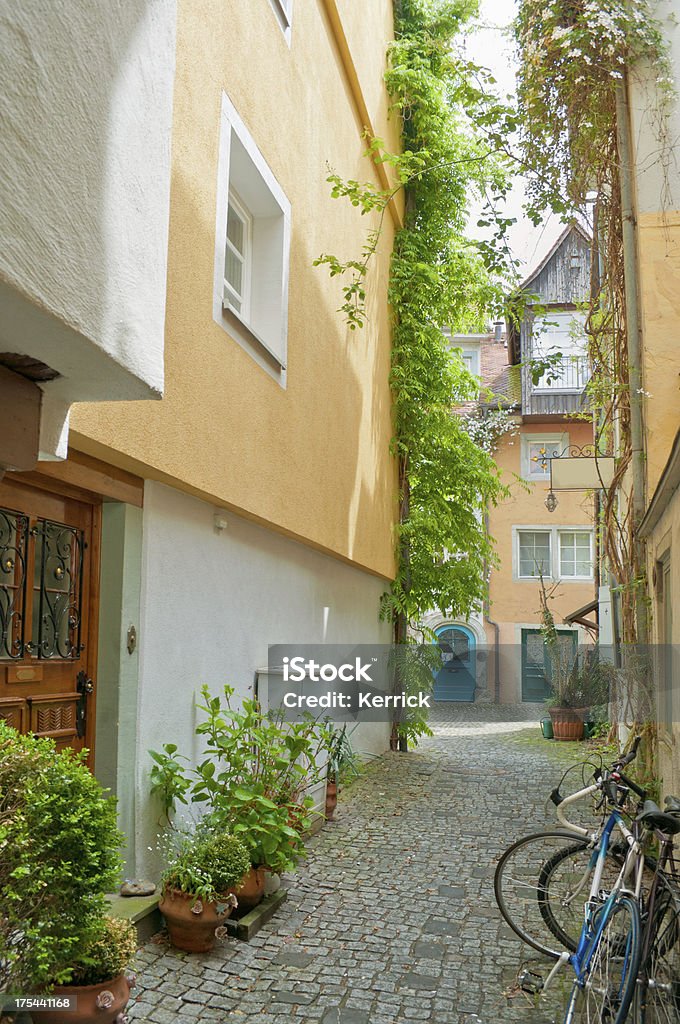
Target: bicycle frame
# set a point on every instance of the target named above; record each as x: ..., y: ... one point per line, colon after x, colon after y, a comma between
x: 590, y: 935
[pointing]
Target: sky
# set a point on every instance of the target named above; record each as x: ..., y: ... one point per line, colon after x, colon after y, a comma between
x: 492, y: 47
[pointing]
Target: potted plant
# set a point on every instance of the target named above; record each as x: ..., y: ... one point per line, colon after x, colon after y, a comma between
x: 253, y: 781
x: 99, y: 980
x: 198, y: 887
x: 60, y: 856
x: 341, y: 762
x: 578, y: 680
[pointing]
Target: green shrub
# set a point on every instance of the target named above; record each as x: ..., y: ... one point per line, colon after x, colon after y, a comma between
x: 111, y: 953
x: 207, y: 864
x: 59, y: 855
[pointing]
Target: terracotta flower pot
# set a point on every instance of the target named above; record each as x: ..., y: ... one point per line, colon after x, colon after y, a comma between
x: 567, y: 723
x: 331, y: 799
x: 251, y: 890
x: 192, y: 921
x: 95, y: 1004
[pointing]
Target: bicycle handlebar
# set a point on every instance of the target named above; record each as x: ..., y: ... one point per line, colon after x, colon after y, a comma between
x: 606, y: 782
x: 632, y: 753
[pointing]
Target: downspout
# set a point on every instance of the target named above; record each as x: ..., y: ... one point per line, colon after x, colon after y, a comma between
x: 633, y: 339
x: 496, y: 628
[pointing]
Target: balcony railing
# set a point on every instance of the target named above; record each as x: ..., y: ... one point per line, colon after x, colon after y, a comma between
x: 570, y: 373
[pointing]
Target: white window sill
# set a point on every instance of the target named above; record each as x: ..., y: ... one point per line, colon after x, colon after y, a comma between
x: 235, y: 320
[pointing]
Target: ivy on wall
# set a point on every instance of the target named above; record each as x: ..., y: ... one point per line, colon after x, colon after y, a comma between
x: 438, y: 278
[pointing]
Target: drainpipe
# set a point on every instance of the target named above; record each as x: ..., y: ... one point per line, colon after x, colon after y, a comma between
x: 632, y: 336
x: 496, y: 629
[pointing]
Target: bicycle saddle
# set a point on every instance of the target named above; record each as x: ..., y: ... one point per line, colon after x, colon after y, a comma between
x: 654, y: 817
x: 672, y: 803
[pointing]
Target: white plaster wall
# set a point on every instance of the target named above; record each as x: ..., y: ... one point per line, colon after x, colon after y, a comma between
x: 655, y: 137
x: 85, y: 179
x: 211, y: 605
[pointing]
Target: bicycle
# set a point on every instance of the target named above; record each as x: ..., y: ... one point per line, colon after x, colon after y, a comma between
x: 541, y: 880
x: 610, y: 949
x: 657, y: 992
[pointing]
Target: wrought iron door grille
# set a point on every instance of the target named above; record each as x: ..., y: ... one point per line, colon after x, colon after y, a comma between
x: 13, y: 556
x: 57, y: 591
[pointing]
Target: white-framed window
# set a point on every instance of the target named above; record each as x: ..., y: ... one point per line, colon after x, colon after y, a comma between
x: 471, y: 359
x: 564, y: 553
x: 534, y: 553
x: 252, y: 248
x: 238, y: 257
x: 283, y: 9
x: 536, y: 451
x: 561, y: 332
x: 576, y: 554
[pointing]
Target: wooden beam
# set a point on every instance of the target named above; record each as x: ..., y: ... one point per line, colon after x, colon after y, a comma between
x: 82, y: 472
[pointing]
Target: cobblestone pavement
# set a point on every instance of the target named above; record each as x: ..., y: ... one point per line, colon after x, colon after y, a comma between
x: 392, y: 918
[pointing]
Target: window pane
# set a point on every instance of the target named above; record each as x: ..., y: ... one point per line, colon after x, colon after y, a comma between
x: 534, y: 553
x: 235, y: 229
x: 538, y: 463
x: 233, y: 271
x: 575, y: 555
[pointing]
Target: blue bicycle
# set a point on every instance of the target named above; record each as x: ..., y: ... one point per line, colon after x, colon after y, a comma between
x: 542, y: 882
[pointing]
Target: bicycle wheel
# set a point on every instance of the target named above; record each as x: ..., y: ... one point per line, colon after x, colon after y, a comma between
x: 657, y: 994
x: 605, y: 991
x: 541, y: 885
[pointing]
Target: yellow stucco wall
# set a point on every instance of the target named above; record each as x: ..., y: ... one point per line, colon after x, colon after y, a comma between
x: 659, y: 263
x: 659, y: 274
x: 311, y: 460
x: 665, y: 540
x: 515, y: 603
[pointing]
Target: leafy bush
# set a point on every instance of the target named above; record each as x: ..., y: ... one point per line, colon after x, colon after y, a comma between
x: 207, y: 864
x: 253, y: 779
x: 59, y: 855
x: 111, y: 953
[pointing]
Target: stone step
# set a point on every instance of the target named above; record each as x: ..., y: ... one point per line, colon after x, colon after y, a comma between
x: 141, y: 910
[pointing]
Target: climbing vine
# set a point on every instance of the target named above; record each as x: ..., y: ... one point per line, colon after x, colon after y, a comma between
x: 574, y: 59
x: 438, y: 278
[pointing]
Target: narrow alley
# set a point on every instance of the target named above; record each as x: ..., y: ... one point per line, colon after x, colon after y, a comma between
x: 392, y: 918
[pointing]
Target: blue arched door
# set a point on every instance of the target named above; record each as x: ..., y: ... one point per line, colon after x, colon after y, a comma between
x: 457, y: 678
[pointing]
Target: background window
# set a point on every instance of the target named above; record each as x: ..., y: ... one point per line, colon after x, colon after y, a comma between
x: 576, y: 559
x: 534, y: 553
x: 536, y: 452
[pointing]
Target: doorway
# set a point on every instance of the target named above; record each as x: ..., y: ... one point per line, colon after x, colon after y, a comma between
x: 49, y: 596
x: 456, y: 680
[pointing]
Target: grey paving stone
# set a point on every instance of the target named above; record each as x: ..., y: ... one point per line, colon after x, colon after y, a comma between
x: 441, y: 926
x: 424, y: 950
x: 292, y: 958
x: 342, y: 1015
x: 454, y: 892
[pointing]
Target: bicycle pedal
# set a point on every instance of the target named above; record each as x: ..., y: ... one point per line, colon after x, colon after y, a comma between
x: 530, y: 982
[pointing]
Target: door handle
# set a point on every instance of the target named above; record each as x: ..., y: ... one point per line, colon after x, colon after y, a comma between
x: 84, y: 686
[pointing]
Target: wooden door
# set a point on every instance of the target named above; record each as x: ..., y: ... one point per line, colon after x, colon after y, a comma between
x: 49, y: 582
x: 536, y: 671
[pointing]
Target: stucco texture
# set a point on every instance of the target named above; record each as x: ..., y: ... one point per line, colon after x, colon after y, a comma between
x: 85, y: 178
x: 659, y: 263
x: 311, y: 459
